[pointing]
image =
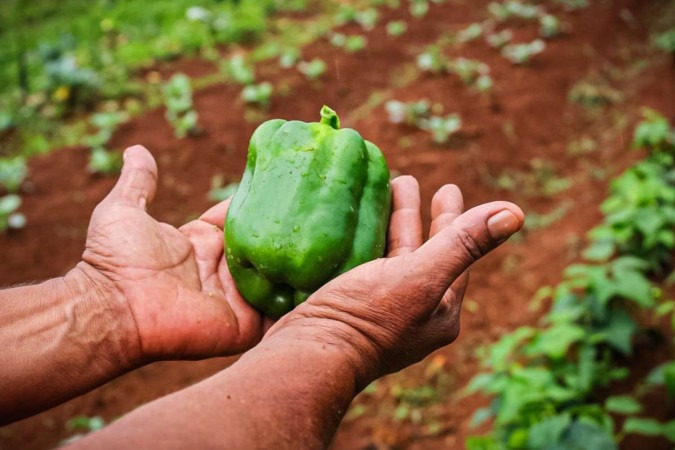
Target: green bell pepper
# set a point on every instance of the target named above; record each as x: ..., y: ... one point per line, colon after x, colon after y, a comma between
x: 313, y: 203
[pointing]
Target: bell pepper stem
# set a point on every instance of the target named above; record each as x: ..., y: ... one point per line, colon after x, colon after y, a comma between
x: 330, y: 117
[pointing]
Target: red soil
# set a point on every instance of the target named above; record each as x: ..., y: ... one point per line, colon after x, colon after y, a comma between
x: 527, y: 116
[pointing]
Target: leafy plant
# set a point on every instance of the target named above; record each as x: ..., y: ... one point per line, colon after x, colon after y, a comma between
x: 513, y: 8
x: 352, y: 44
x: 355, y: 43
x: 177, y: 94
x: 521, y: 53
x: 289, y: 57
x: 419, y: 8
x: 367, y: 18
x: 396, y: 28
x: 549, y: 26
x: 101, y: 159
x: 408, y: 113
x: 433, y: 60
x: 666, y: 41
x: 654, y: 133
x: 442, y: 128
x: 104, y: 161
x: 545, y: 380
x: 67, y: 83
x: 239, y: 70
x: 9, y: 217
x: 257, y: 94
x: 468, y: 70
x: 499, y: 40
x: 13, y: 172
x: 313, y: 69
x: 470, y: 33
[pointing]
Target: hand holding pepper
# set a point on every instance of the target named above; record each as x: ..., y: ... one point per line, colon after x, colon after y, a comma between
x: 146, y: 291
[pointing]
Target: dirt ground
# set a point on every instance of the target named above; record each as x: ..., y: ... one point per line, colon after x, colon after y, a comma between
x: 526, y: 130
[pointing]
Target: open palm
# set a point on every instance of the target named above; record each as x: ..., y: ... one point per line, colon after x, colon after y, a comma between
x: 175, y: 281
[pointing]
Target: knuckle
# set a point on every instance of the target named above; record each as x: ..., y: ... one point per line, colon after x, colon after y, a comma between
x: 465, y: 240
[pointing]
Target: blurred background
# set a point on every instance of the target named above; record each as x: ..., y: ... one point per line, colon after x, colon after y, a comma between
x: 562, y: 106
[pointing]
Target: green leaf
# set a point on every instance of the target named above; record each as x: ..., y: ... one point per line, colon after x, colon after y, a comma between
x: 555, y: 341
x: 669, y: 430
x: 623, y: 404
x: 619, y: 330
x: 481, y: 416
x: 646, y: 427
x: 548, y: 431
x: 479, y: 383
x: 600, y: 251
x: 482, y: 443
x: 586, y: 436
x: 669, y: 377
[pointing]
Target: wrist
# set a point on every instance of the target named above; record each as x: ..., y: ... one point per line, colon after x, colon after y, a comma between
x: 334, y: 342
x: 97, y: 303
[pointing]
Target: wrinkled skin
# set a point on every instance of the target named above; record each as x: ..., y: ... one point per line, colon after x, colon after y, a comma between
x: 175, y: 281
x: 392, y: 311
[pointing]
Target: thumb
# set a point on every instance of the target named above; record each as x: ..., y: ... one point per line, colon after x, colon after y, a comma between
x: 471, y: 236
x: 138, y: 181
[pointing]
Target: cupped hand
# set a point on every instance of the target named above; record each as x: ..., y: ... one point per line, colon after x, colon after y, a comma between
x: 175, y: 282
x: 392, y: 312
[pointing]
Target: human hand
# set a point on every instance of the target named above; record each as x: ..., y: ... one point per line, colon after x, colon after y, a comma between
x: 392, y: 312
x: 174, y: 282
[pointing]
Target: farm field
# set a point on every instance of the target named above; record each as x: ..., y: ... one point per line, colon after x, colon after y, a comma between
x: 549, y: 132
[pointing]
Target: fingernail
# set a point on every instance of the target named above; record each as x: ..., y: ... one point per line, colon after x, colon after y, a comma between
x: 502, y: 225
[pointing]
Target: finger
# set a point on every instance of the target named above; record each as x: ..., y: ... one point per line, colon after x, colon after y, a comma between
x: 138, y: 181
x: 207, y: 243
x: 405, y: 225
x: 442, y: 259
x: 216, y: 215
x: 446, y: 206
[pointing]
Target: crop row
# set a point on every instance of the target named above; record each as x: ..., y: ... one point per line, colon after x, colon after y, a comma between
x: 545, y: 382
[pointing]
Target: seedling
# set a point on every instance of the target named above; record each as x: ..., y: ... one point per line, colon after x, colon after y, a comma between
x: 513, y: 8
x: 101, y: 159
x: 367, y: 18
x: 258, y: 94
x: 442, y: 128
x: 499, y: 40
x: 177, y: 94
x: 355, y: 44
x: 654, y: 132
x: 313, y: 69
x: 408, y: 113
x: 549, y: 26
x: 9, y: 217
x: 419, y: 8
x: 396, y: 28
x: 104, y: 161
x: 470, y: 33
x: 484, y: 83
x: 432, y: 60
x: 13, y: 172
x: 520, y: 54
x: 239, y: 70
x: 468, y: 70
x: 352, y: 44
x: 288, y: 58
